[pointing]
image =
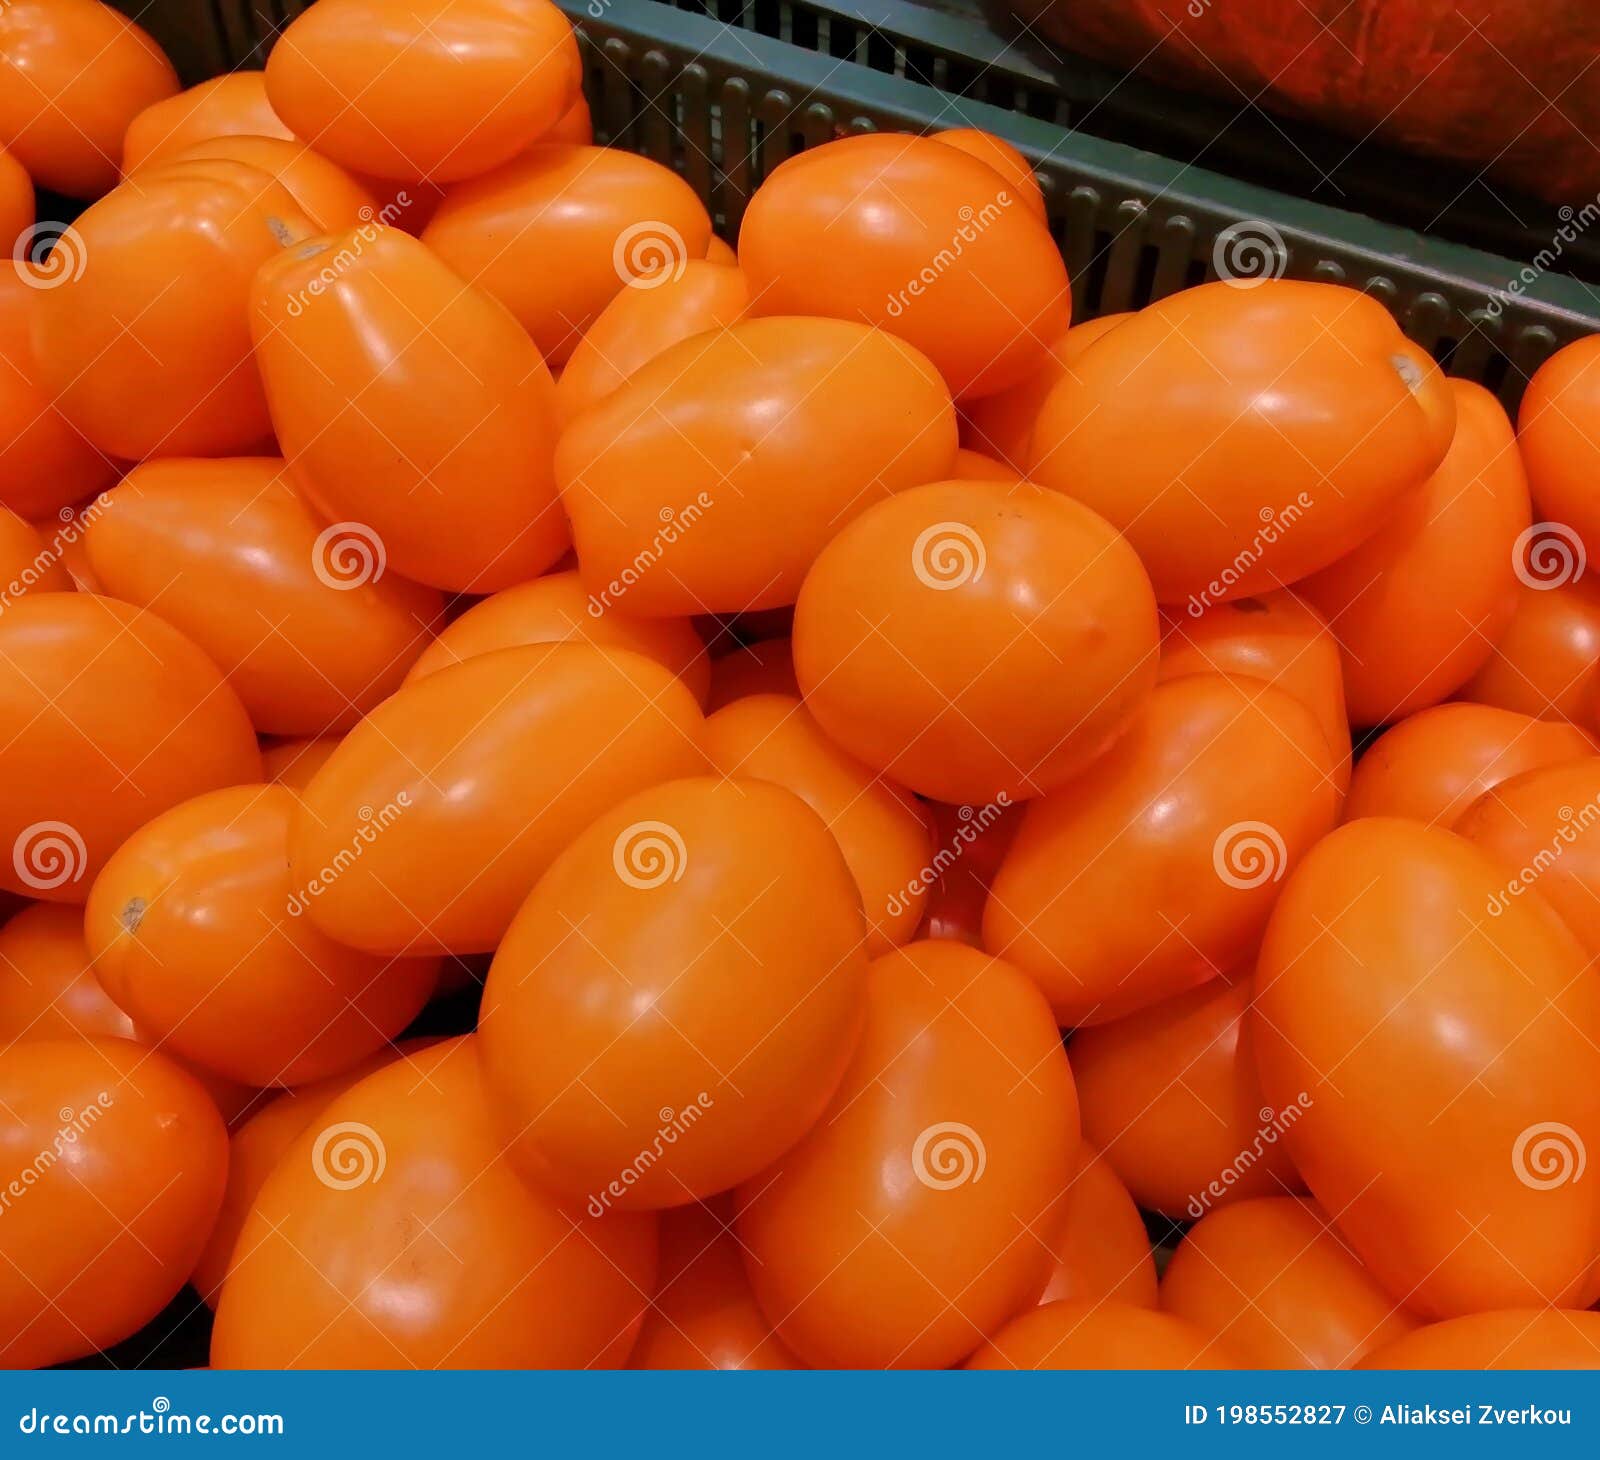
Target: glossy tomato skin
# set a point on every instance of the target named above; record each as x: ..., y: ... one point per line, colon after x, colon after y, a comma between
x: 999, y: 154
x: 47, y: 985
x: 1091, y: 1335
x: 713, y: 477
x: 435, y: 784
x: 1273, y: 1280
x: 448, y: 459
x: 1560, y: 443
x: 120, y: 1158
x: 28, y: 563
x: 1543, y: 661
x: 1446, y: 1159
x: 232, y: 105
x: 352, y: 1256
x: 16, y: 200
x: 1513, y: 1338
x: 445, y: 88
x: 559, y: 231
x: 921, y: 238
x: 147, y: 350
x: 1243, y: 438
x: 73, y: 74
x: 1102, y: 1250
x: 309, y: 627
x: 1433, y: 765
x: 934, y: 1130
x: 328, y: 195
x: 762, y: 668
x: 1156, y: 869
x: 1419, y: 603
x: 108, y: 716
x: 687, y: 979
x: 975, y: 641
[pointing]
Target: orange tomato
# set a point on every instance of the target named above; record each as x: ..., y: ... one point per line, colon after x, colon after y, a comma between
x: 575, y: 125
x: 1245, y: 437
x: 73, y: 74
x: 443, y: 89
x: 956, y: 1115
x: 714, y: 476
x: 16, y: 202
x: 329, y: 196
x: 999, y: 154
x: 720, y: 252
x: 1542, y: 663
x: 1560, y: 443
x: 293, y: 763
x: 231, y: 105
x: 1433, y: 765
x: 1516, y: 1338
x: 1102, y: 1250
x: 47, y: 985
x: 394, y: 1234
x: 117, y: 1160
x: 27, y: 563
x: 1448, y: 1064
x: 763, y: 668
x: 108, y: 716
x: 1094, y: 1335
x: 973, y: 641
x: 972, y: 466
x: 417, y: 835
x: 558, y: 232
x: 1273, y: 1280
x: 921, y: 238
x: 1419, y: 603
x: 1156, y: 869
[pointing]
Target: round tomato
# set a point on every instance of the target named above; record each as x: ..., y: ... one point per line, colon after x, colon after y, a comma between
x: 1515, y: 1338
x: 763, y: 668
x: 1095, y: 1335
x: 1543, y: 662
x: 1560, y: 441
x: 1102, y: 1250
x: 233, y: 105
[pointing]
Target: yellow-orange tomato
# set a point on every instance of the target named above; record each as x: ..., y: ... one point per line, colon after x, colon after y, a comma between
x: 73, y: 74
x: 1419, y: 603
x: 576, y: 126
x: 881, y: 829
x: 1543, y: 661
x: 108, y: 716
x: 329, y: 196
x: 1514, y: 1338
x: 412, y: 405
x: 196, y: 932
x: 1095, y: 1335
x: 703, y: 1315
x: 1272, y: 1280
x: 921, y: 238
x: 304, y: 621
x: 652, y: 313
x: 1448, y: 1063
x: 143, y: 342
x: 1170, y: 1096
x: 439, y: 89
x: 16, y: 201
x: 1156, y: 869
x: 393, y: 1233
x: 956, y: 1115
x: 711, y: 479
x: 555, y: 609
x: 293, y: 763
x: 720, y: 252
x: 1556, y: 430
x: 233, y: 105
x: 972, y: 640
x: 557, y: 233
x: 1276, y: 638
x: 1243, y: 438
x: 973, y: 466
x: 763, y: 668
x: 427, y: 827
x: 686, y: 977
x: 1102, y: 1250
x: 28, y: 564
x: 1433, y: 765
x: 100, y: 1236
x: 999, y: 154
x: 47, y: 985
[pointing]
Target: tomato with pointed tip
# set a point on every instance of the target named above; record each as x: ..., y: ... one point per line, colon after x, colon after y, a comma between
x: 999, y: 154
x: 1095, y: 1335
x: 328, y: 195
x: 765, y: 667
x: 231, y: 105
x: 1513, y: 1338
x: 28, y: 564
x: 1543, y: 661
x: 1558, y: 434
x: 1102, y: 1250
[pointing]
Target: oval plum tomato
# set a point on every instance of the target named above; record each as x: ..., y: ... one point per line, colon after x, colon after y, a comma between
x: 1445, y: 1159
x: 1273, y: 1280
x: 120, y: 1158
x: 108, y: 716
x: 703, y: 1315
x: 956, y: 1114
x: 232, y: 105
x: 923, y: 239
x: 1543, y: 661
x: 1171, y: 1099
x: 1514, y: 1338
x: 16, y: 202
x: 685, y: 977
x: 882, y: 830
x: 557, y: 233
x: 73, y: 74
x: 1102, y: 1250
x: 974, y: 641
x: 447, y: 456
x: 1243, y: 438
x: 970, y: 842
x: 394, y: 1234
x: 443, y: 89
x: 1276, y: 638
x: 147, y: 351
x: 711, y: 479
x: 1419, y: 603
x: 324, y: 191
x: 28, y: 564
x: 196, y: 932
x: 47, y: 985
x: 650, y: 314
x: 308, y: 627
x: 763, y: 668
x: 555, y: 609
x: 1156, y: 869
x: 1094, y: 1335
x: 1433, y: 765
x: 1560, y: 442
x: 426, y: 828
x: 999, y: 154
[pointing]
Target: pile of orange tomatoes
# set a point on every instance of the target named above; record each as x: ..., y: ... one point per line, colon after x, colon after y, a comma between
x: 881, y: 752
